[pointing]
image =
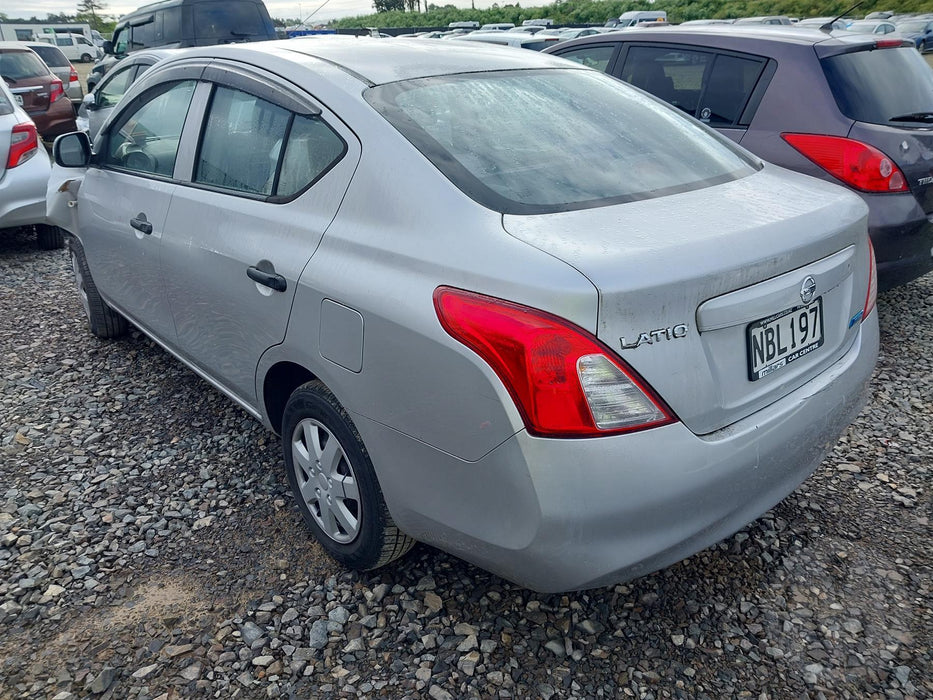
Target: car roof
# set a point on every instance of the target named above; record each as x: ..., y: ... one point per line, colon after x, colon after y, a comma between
x: 721, y: 34
x: 377, y: 61
x: 7, y: 45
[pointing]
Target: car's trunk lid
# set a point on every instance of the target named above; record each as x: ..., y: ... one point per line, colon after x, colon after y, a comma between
x: 682, y: 279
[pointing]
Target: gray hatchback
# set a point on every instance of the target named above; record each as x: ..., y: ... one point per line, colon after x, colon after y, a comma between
x: 565, y: 370
x: 852, y: 109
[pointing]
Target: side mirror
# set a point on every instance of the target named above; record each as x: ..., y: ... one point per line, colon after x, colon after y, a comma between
x: 89, y: 102
x: 108, y: 46
x: 72, y: 150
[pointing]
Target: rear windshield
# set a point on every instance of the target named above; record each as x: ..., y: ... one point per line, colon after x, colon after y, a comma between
x: 52, y: 56
x: 877, y: 86
x: 228, y: 20
x: 538, y: 141
x: 19, y: 65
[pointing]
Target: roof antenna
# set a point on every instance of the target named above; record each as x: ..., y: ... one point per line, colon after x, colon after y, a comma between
x: 828, y: 27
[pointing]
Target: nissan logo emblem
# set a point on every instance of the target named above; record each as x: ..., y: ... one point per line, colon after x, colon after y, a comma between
x: 807, y: 290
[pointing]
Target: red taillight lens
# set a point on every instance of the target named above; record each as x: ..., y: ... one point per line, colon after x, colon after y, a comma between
x: 23, y: 145
x: 563, y: 380
x: 57, y: 90
x: 73, y: 77
x: 857, y: 164
x: 889, y: 43
x: 872, y: 295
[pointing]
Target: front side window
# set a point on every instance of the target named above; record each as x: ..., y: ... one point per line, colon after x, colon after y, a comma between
x: 110, y: 92
x: 539, y: 141
x: 241, y: 146
x: 121, y: 38
x: 145, y: 138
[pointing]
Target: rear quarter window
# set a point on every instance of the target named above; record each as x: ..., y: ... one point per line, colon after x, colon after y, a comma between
x: 876, y: 86
x: 20, y: 65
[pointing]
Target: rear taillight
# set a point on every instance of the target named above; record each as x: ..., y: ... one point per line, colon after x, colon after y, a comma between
x: 889, y: 43
x: 73, y: 77
x: 24, y: 144
x: 563, y: 380
x: 857, y: 164
x: 57, y: 90
x: 872, y: 296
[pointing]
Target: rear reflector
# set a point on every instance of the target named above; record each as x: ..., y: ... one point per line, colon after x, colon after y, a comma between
x: 24, y: 144
x: 857, y: 164
x: 564, y: 381
x: 872, y: 296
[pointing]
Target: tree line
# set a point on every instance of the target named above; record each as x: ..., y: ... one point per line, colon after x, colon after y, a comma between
x: 398, y: 13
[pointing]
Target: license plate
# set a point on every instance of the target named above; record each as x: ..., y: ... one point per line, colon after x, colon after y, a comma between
x: 776, y: 341
x: 19, y: 99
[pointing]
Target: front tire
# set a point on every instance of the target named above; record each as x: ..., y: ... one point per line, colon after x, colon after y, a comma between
x: 334, y: 483
x: 49, y: 237
x: 103, y: 321
x: 923, y: 46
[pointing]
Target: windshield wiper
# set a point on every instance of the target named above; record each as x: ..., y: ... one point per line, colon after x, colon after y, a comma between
x: 240, y: 33
x: 913, y: 117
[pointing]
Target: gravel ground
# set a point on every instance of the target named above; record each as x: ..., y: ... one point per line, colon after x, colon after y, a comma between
x: 149, y: 549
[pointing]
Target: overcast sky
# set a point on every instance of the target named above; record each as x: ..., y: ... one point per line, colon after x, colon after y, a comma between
x: 277, y: 8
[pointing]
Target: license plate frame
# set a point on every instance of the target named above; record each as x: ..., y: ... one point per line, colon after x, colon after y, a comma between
x: 796, y: 342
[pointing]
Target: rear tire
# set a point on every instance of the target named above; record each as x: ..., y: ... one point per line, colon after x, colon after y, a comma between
x: 334, y: 483
x: 923, y: 46
x: 49, y: 237
x: 85, y: 58
x: 103, y: 321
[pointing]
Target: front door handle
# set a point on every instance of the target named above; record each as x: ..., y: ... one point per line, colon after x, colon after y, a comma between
x: 268, y: 279
x: 140, y: 223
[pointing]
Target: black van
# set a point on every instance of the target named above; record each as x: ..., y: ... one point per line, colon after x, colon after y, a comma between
x: 171, y: 24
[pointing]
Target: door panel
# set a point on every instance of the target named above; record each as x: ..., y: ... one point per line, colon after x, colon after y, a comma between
x: 235, y: 257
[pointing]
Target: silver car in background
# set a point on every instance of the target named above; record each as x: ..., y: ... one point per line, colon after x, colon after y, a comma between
x: 24, y: 173
x: 567, y: 370
x: 61, y: 67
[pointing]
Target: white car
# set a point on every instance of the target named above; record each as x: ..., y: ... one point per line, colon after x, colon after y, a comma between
x: 75, y: 47
x: 24, y: 173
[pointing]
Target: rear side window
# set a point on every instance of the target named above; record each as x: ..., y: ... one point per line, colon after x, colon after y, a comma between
x: 541, y: 141
x: 597, y: 57
x: 228, y: 21
x: 145, y: 35
x: 241, y: 146
x: 6, y: 107
x: 52, y: 56
x: 881, y: 85
x: 20, y: 65
x: 712, y: 87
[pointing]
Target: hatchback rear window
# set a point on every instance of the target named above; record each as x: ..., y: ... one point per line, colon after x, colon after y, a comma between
x: 538, y: 141
x: 52, y: 56
x: 20, y: 65
x: 881, y: 85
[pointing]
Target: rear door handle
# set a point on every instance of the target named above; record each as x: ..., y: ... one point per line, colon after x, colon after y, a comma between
x: 267, y: 279
x: 140, y: 223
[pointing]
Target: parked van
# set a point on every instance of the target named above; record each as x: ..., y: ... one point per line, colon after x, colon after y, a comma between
x: 630, y: 19
x: 74, y: 46
x: 173, y: 24
x: 181, y: 23
x: 467, y: 24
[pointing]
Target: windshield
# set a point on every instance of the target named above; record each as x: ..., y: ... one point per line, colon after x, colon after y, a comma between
x: 874, y: 86
x: 538, y: 141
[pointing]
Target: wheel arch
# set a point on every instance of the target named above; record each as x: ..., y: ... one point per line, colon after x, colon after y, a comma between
x: 280, y: 380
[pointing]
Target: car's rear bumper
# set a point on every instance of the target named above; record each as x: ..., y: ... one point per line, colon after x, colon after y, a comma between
x: 22, y: 192
x: 558, y: 515
x: 902, y: 235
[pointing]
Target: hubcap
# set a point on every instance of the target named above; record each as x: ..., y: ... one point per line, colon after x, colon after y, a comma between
x: 326, y: 481
x: 79, y: 280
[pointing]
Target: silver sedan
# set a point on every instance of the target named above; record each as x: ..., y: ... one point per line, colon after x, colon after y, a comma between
x: 467, y: 329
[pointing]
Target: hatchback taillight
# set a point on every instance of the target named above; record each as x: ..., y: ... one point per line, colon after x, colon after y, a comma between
x: 73, y: 77
x: 857, y: 164
x: 563, y: 380
x: 57, y: 90
x: 24, y: 144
